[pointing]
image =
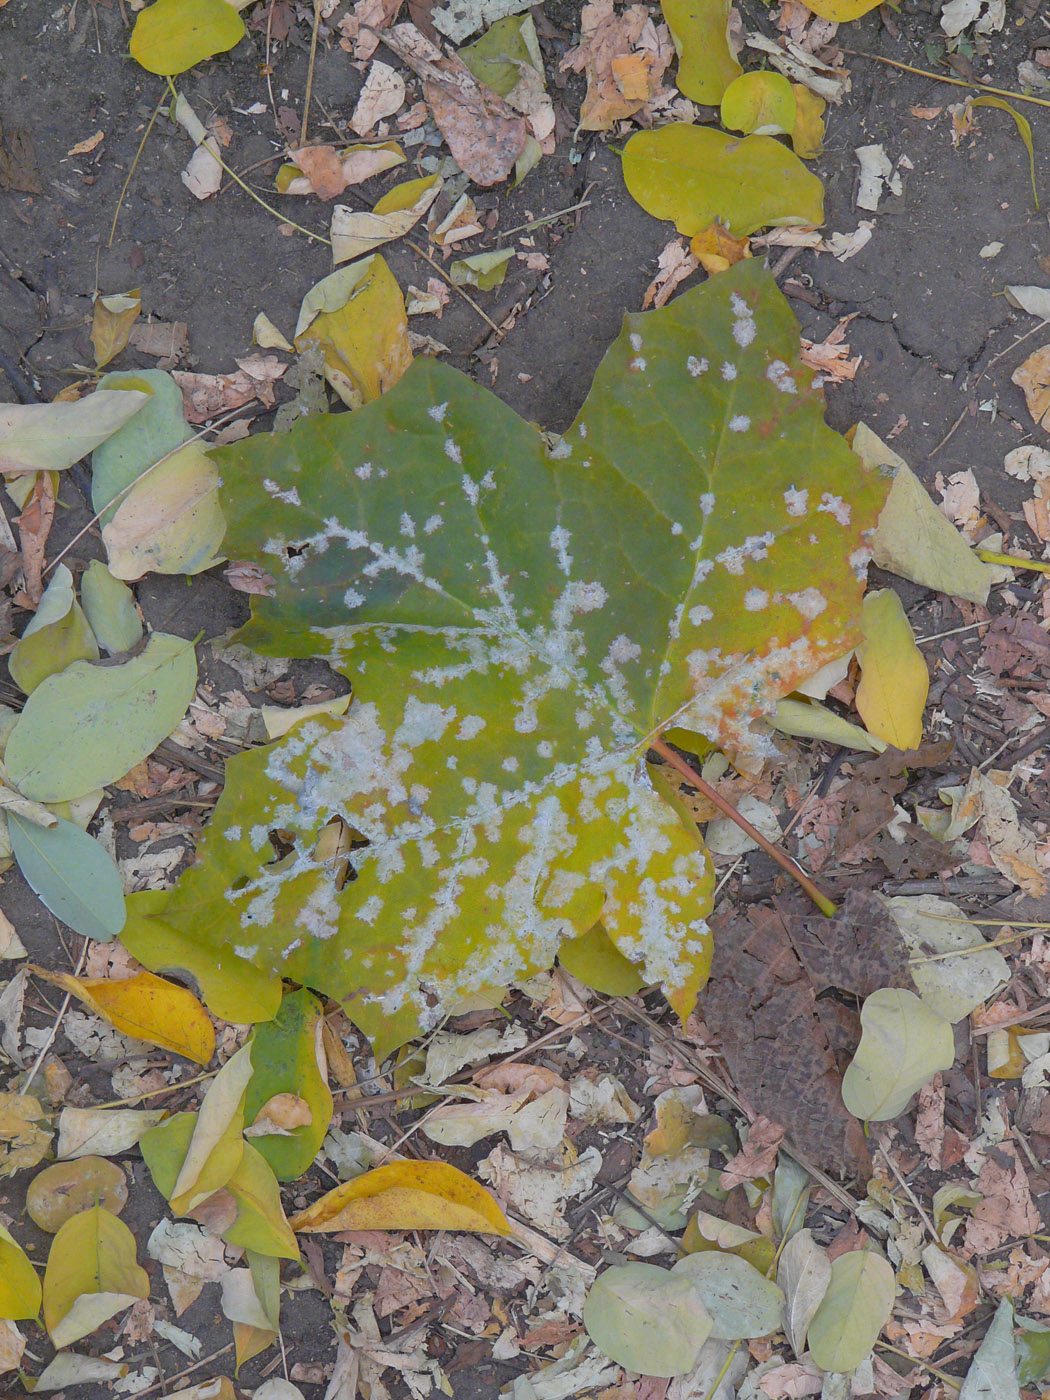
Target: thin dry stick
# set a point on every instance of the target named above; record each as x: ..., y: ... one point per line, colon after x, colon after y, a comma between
x: 1039, y: 1010
x: 131, y: 172
x: 54, y: 1029
x: 712, y: 794
x: 168, y: 1380
x: 442, y: 273
x: 910, y: 1195
x: 943, y: 78
x: 310, y: 72
x: 141, y: 477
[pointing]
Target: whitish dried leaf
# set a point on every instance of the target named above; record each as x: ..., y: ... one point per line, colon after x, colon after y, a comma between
x: 1034, y: 300
x: 71, y: 1368
x: 12, y: 1346
x: 190, y: 1258
x: 902, y: 1045
x: 50, y: 436
x: 381, y: 96
x: 405, y: 1196
x: 951, y: 986
x: 356, y: 233
x: 853, y: 1312
x: 651, y: 1320
x: 993, y: 1371
x: 91, y: 1275
x: 804, y: 1273
x: 894, y: 680
x: 104, y: 1132
x: 913, y: 537
x: 11, y: 945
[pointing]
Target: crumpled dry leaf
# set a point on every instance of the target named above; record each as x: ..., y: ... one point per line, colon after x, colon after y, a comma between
x: 624, y: 57
x: 23, y: 1142
x: 484, y: 133
x: 205, y: 396
x: 1033, y: 377
x: 382, y: 95
x: 674, y: 265
x: 830, y: 356
x: 326, y: 172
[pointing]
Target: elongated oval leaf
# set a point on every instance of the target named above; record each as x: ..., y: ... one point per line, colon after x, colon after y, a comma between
x: 993, y: 1371
x: 88, y: 726
x: 173, y: 35
x: 932, y: 927
x: 518, y: 621
x: 74, y: 876
x: 853, y: 1312
x: 156, y: 429
x: 894, y: 681
x: 902, y: 1046
x: 406, y: 1196
x: 288, y: 1058
x: 647, y: 1319
x: 697, y: 175
x: 804, y: 1273
x: 739, y: 1300
x: 110, y: 609
x: 700, y: 30
x: 148, y: 1008
x: 19, y: 1285
x: 50, y: 436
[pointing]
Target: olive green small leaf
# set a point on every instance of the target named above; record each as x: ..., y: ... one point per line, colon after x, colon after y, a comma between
x: 700, y: 30
x: 288, y: 1058
x: 110, y: 609
x: 74, y: 876
x: 56, y: 635
x: 89, y: 725
x: 173, y: 35
x: 595, y: 959
x: 853, y: 1312
x: 760, y: 104
x: 902, y: 1046
x: 697, y: 175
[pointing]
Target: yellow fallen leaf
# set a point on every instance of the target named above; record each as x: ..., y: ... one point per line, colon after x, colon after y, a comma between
x: 22, y: 1142
x: 111, y: 324
x: 807, y: 135
x: 171, y: 522
x: 357, y: 314
x: 146, y: 1007
x: 19, y: 1285
x: 715, y: 249
x: 91, y: 1275
x: 841, y: 11
x: 894, y: 681
x: 406, y: 1196
x: 216, y: 1147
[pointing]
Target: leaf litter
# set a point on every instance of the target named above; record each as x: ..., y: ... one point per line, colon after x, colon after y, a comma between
x: 261, y: 1119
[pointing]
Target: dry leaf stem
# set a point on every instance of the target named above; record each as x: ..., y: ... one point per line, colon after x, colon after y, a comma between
x: 687, y: 771
x: 943, y: 78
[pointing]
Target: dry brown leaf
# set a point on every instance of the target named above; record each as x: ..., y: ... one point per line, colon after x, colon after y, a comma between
x: 205, y: 396
x: 34, y: 526
x: 1033, y: 377
x: 1006, y: 1210
x: 717, y: 250
x: 382, y: 95
x: 674, y: 265
x: 757, y: 1157
x: 359, y: 27
x: 327, y: 171
x: 166, y: 340
x: 961, y: 500
x: 484, y: 133
x: 624, y: 57
x: 830, y: 357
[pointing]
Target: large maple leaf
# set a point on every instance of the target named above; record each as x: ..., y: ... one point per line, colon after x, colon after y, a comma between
x: 519, y: 620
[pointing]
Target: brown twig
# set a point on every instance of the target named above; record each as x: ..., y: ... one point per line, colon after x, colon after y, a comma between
x: 310, y: 72
x: 690, y: 774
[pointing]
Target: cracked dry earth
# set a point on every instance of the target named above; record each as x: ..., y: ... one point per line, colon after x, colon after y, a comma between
x: 936, y: 341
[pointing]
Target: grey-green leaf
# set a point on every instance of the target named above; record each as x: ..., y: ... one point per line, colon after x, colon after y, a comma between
x: 110, y: 608
x: 647, y: 1319
x: 804, y: 1273
x: 157, y: 428
x: 993, y: 1371
x: 952, y: 987
x: 742, y: 1303
x: 902, y: 1046
x: 74, y: 876
x: 853, y: 1312
x: 89, y: 725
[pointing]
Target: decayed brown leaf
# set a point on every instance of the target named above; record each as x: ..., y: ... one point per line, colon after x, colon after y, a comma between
x: 34, y: 526
x: 1033, y: 377
x: 624, y: 56
x: 205, y: 396
x: 484, y: 133
x: 674, y: 265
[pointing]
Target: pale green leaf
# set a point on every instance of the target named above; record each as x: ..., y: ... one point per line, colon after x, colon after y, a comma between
x: 91, y: 1275
x: 902, y: 1046
x: 739, y: 1300
x: 931, y: 927
x: 647, y: 1319
x: 50, y: 436
x: 853, y: 1312
x: 700, y: 30
x: 497, y: 58
x: 993, y: 1371
x: 697, y: 175
x: 156, y: 429
x: 804, y: 1274
x: 913, y: 537
x: 56, y: 635
x: 173, y: 35
x: 110, y: 609
x: 508, y: 675
x: 791, y: 1188
x: 89, y: 725
x: 74, y: 876
x: 260, y: 1224
x: 811, y: 720
x: 481, y: 270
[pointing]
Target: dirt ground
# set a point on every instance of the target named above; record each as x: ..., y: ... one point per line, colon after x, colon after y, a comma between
x: 930, y: 320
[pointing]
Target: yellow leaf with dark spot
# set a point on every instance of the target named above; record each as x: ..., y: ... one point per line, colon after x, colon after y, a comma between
x: 406, y: 1196
x: 894, y: 681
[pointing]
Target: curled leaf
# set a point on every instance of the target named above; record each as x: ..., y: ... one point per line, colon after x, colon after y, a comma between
x: 405, y: 1196
x: 146, y: 1007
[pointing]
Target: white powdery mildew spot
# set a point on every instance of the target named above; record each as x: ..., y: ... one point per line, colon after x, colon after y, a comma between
x: 559, y: 542
x: 510, y: 764
x: 638, y: 363
x: 353, y: 599
x: 545, y: 748
x: 246, y: 950
x: 470, y: 489
x: 779, y: 376
x: 676, y: 528
x: 728, y: 370
x: 700, y: 614
x: 859, y: 561
x: 739, y: 423
x: 707, y: 503
x: 319, y: 915
x: 583, y: 718
x: 370, y: 910
x: 836, y: 507
x: 581, y: 428
x: 437, y: 411
x: 423, y: 722
x: 636, y: 341
x: 696, y: 367
x: 432, y: 523
x: 453, y: 452
x: 744, y: 329
x: 233, y: 832
x: 560, y: 449
x: 621, y: 651
x: 756, y: 600
x: 290, y: 496
x: 734, y: 556
x: 470, y: 727
x: 407, y: 526
x: 809, y: 601
x: 364, y: 471
x: 797, y: 502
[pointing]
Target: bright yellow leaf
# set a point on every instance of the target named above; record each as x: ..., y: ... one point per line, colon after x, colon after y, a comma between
x: 146, y: 1007
x: 406, y: 1196
x: 894, y: 681
x: 22, y: 1142
x: 216, y: 1147
x: 19, y: 1285
x: 841, y: 11
x: 111, y: 324
x: 91, y: 1275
